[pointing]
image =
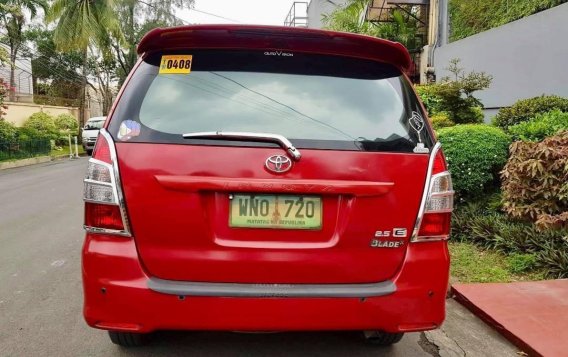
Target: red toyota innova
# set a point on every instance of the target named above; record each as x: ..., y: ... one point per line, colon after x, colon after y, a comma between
x: 253, y: 178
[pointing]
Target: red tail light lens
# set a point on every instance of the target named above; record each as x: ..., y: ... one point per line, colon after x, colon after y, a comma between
x: 434, y: 218
x: 104, y: 208
x: 435, y: 225
x: 102, y: 150
x: 103, y: 216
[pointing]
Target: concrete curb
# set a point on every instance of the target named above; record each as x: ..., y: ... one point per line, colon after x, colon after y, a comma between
x: 33, y: 161
x: 25, y: 162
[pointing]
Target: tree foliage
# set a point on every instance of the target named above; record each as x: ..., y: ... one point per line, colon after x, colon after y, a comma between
x: 471, y: 17
x: 13, y: 18
x: 347, y: 19
x: 137, y: 18
x: 54, y: 72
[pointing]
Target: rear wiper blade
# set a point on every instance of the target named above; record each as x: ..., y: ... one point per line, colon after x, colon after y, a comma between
x: 246, y: 136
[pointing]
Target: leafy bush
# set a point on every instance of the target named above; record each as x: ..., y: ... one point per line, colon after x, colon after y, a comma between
x: 540, y: 127
x: 475, y: 153
x: 431, y: 100
x: 8, y: 131
x: 535, y: 181
x: 67, y: 125
x: 526, y: 109
x: 529, y: 247
x: 66, y: 122
x: 441, y: 120
x: 41, y: 124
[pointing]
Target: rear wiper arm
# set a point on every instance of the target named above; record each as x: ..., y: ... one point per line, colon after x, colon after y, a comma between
x: 244, y: 136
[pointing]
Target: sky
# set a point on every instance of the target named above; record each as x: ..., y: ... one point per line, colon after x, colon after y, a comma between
x: 265, y: 12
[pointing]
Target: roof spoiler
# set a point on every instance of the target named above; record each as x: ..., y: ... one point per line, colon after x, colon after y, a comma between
x: 292, y: 39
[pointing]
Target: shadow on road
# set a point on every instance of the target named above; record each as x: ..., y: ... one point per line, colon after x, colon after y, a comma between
x: 258, y: 344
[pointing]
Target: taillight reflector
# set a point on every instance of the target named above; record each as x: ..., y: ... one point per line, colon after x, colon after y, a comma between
x: 104, y: 207
x: 435, y: 225
x: 434, y: 218
x: 103, y: 216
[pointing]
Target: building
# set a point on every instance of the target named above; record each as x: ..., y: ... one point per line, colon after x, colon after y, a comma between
x: 23, y: 78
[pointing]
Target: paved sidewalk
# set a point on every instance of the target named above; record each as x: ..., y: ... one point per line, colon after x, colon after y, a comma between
x: 533, y: 315
x: 463, y: 334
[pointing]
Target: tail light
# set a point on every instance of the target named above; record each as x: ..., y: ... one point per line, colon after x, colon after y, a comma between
x: 434, y: 217
x: 105, y: 211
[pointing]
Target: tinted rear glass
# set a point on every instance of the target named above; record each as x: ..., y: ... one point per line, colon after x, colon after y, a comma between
x: 316, y: 101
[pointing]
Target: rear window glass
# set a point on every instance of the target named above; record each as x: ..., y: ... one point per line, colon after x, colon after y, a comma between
x: 316, y: 101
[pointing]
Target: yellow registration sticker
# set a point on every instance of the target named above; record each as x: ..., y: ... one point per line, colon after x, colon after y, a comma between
x: 176, y: 64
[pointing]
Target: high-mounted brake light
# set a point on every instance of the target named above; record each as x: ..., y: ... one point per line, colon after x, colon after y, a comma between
x: 104, y: 205
x: 434, y: 218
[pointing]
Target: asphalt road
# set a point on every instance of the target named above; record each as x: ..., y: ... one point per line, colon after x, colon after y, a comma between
x: 41, y: 296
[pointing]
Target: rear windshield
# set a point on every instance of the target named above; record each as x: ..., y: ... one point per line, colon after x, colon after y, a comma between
x: 316, y: 101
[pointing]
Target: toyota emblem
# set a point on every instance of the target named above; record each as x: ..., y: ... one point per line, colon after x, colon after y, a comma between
x: 278, y: 163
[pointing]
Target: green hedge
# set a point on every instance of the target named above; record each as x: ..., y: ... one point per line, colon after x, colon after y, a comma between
x: 475, y: 154
x: 527, y: 109
x: 540, y: 127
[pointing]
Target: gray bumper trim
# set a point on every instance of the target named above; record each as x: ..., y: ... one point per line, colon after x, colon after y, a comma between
x: 187, y: 288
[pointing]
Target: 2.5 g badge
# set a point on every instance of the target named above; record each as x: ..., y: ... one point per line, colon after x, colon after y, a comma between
x: 176, y: 64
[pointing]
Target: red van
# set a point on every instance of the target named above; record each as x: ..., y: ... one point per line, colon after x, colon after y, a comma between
x: 256, y: 178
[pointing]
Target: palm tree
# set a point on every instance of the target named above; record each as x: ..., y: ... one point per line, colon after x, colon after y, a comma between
x: 81, y: 23
x: 14, y: 19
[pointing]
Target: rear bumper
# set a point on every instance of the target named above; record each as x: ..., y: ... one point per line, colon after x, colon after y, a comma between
x: 118, y: 297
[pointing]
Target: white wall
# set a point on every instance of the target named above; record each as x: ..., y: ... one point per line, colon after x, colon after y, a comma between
x: 526, y: 58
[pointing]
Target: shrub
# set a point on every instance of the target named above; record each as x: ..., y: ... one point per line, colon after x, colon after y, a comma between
x: 431, y: 101
x: 67, y: 125
x: 441, y: 120
x: 454, y: 95
x: 535, y: 181
x: 4, y: 90
x: 529, y: 247
x: 540, y: 127
x: 8, y: 131
x: 526, y: 109
x: 475, y: 153
x: 43, y: 123
x: 66, y: 122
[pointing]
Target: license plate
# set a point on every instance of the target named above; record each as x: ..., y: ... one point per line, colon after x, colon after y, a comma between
x: 275, y: 211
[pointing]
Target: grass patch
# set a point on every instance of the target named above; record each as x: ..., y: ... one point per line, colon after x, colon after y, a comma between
x: 64, y: 151
x: 471, y: 264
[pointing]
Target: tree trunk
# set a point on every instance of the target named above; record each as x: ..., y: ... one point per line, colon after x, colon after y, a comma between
x: 83, y: 99
x: 13, y: 52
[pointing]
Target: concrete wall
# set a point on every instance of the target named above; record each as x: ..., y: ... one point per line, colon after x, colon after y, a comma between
x: 17, y: 113
x: 318, y: 8
x: 526, y: 58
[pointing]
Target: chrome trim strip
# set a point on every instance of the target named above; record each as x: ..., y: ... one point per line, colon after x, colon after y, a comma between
x: 425, y: 192
x: 106, y: 231
x: 117, y: 181
x: 187, y: 288
x: 268, y: 137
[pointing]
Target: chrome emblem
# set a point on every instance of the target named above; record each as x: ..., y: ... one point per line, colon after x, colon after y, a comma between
x: 278, y: 163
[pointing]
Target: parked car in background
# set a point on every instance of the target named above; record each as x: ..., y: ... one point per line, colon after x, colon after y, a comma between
x: 91, y: 132
x: 255, y: 178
